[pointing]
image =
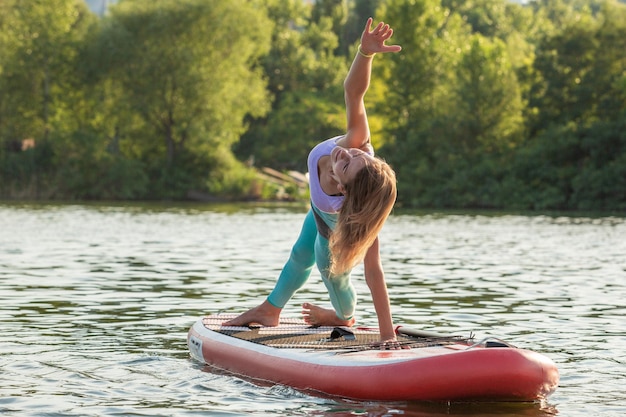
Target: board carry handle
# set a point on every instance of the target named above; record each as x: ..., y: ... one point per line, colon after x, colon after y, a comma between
x: 342, y: 332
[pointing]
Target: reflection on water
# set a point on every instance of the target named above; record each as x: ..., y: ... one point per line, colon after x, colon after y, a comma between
x: 96, y: 302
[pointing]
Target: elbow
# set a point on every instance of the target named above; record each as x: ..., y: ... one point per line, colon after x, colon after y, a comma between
x: 353, y: 93
x: 352, y: 96
x: 347, y: 94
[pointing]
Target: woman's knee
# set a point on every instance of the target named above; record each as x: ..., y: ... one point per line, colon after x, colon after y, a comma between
x: 303, y: 255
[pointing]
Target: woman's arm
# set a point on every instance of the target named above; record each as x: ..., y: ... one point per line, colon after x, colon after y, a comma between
x: 375, y: 279
x: 358, y: 80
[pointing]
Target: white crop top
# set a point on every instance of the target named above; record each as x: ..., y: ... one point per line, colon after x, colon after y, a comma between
x: 322, y: 201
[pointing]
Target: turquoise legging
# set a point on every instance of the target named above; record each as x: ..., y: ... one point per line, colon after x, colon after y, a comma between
x: 312, y: 248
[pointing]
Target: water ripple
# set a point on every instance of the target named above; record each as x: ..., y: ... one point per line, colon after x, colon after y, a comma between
x: 97, y: 300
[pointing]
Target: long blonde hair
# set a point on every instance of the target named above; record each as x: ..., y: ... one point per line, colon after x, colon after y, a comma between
x: 369, y: 199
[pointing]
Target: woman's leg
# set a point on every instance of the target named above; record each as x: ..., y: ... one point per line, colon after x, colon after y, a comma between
x: 294, y: 274
x: 298, y: 268
x: 340, y: 288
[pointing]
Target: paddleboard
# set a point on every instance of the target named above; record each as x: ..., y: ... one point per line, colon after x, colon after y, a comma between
x: 350, y: 363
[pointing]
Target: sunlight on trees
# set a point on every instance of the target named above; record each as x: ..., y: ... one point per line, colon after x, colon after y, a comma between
x: 491, y: 104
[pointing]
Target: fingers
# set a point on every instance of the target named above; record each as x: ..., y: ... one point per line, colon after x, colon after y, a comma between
x: 379, y: 28
x: 382, y: 29
x: 391, y: 48
x: 374, y: 39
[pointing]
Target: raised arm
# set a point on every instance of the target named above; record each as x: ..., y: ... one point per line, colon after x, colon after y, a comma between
x: 358, y: 80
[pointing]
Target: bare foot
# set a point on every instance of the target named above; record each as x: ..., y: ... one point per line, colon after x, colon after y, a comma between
x: 318, y: 316
x: 264, y: 314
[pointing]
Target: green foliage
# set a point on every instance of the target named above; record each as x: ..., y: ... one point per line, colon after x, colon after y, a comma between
x: 305, y: 76
x: 572, y: 167
x: 600, y: 184
x: 582, y: 69
x: 186, y: 83
x: 38, y: 50
x: 461, y: 108
x: 490, y: 104
x: 157, y: 84
x: 104, y: 174
x: 358, y: 13
x: 488, y: 101
x: 291, y: 131
x: 493, y: 126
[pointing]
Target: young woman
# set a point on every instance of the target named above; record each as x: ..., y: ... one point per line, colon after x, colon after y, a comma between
x: 352, y: 194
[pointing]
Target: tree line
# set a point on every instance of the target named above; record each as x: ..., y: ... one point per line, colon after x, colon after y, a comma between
x: 491, y: 104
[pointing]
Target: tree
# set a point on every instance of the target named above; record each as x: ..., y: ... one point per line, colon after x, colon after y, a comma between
x: 358, y: 13
x: 187, y: 68
x: 305, y: 78
x: 38, y: 94
x: 489, y: 105
x: 417, y: 89
x: 577, y: 148
x: 39, y: 48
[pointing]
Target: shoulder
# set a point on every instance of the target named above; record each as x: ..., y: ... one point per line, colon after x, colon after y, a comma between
x: 324, y: 147
x: 365, y: 145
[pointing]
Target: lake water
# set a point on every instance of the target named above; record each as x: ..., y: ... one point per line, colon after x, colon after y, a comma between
x: 96, y: 301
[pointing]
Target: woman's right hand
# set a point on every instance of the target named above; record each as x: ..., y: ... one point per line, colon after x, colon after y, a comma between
x: 373, y: 40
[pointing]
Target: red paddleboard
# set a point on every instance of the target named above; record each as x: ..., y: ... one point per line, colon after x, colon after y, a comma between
x: 348, y: 363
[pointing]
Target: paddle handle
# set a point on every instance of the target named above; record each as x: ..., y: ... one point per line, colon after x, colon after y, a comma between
x: 407, y: 331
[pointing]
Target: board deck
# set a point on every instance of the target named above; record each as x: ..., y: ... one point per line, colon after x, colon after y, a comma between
x: 296, y: 334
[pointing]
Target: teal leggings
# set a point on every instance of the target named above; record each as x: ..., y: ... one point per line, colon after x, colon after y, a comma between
x: 312, y: 248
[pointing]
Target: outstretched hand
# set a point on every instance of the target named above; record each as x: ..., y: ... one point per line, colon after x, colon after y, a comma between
x: 373, y: 40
